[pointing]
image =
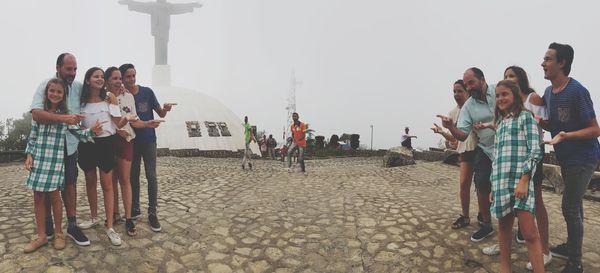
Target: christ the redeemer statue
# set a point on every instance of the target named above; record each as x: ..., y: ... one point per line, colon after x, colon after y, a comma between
x: 160, y: 16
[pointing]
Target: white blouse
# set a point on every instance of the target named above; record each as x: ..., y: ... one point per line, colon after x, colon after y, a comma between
x: 127, y: 107
x: 101, y: 111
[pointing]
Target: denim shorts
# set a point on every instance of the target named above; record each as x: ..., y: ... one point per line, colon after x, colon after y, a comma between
x: 71, y: 170
x: 482, y: 170
x: 467, y: 157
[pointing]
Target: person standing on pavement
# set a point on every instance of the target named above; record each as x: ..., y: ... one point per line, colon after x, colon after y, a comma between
x: 574, y: 129
x: 532, y: 102
x: 123, y: 147
x: 271, y: 144
x: 479, y: 108
x: 516, y: 154
x: 144, y: 144
x: 298, y: 130
x: 66, y: 70
x: 45, y: 155
x: 248, y: 138
x: 264, y: 149
x: 466, y: 154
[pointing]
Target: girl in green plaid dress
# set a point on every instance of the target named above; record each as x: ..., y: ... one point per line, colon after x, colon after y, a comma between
x: 517, y: 152
x: 45, y: 162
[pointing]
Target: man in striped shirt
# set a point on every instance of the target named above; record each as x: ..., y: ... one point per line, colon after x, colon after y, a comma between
x: 572, y: 123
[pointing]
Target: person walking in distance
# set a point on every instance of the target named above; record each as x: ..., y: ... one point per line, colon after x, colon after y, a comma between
x: 298, y: 130
x: 248, y: 138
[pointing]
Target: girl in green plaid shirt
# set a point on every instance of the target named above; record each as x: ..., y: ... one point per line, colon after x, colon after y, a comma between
x: 517, y: 152
x: 45, y: 162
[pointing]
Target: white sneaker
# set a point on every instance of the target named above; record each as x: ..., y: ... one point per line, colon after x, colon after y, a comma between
x: 491, y: 250
x: 114, y: 237
x: 547, y: 260
x: 88, y: 224
x: 289, y: 170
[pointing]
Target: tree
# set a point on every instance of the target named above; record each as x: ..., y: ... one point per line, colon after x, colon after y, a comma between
x: 2, y: 127
x: 17, y: 132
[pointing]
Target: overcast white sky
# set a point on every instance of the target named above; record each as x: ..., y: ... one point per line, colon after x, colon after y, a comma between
x: 383, y: 62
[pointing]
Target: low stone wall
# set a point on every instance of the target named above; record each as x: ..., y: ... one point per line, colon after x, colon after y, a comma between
x: 196, y: 152
x: 326, y: 153
x: 429, y: 155
x: 12, y: 156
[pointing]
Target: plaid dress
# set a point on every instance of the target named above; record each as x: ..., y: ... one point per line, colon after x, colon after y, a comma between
x: 46, y: 145
x: 517, y: 151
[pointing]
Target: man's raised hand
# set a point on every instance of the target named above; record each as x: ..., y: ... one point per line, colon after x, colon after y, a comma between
x: 446, y: 121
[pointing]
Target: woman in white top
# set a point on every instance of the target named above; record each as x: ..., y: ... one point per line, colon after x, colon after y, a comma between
x: 99, y: 106
x: 123, y: 145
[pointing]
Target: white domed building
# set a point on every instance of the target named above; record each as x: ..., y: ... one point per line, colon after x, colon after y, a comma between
x: 197, y: 121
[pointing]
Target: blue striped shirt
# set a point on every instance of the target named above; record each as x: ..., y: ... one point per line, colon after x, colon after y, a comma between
x: 571, y: 110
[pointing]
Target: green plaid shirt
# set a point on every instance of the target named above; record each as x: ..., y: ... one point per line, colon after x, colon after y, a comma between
x: 517, y: 151
x: 46, y: 145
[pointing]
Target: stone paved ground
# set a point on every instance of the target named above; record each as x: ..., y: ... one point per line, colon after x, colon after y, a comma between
x: 347, y: 215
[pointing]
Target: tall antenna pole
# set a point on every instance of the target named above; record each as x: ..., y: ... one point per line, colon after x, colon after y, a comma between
x: 291, y: 107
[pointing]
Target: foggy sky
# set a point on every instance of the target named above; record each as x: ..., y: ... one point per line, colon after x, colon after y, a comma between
x: 386, y: 63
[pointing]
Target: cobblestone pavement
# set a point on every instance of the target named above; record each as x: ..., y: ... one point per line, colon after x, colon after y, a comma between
x: 346, y: 215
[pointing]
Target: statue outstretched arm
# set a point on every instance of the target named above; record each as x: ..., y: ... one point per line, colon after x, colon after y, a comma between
x: 137, y: 6
x: 183, y: 8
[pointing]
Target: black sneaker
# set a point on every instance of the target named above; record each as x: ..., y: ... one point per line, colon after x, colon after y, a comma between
x: 560, y: 251
x: 250, y: 166
x: 77, y: 235
x: 519, y: 237
x: 572, y: 267
x: 154, y: 224
x: 49, y: 230
x: 243, y: 167
x: 483, y: 232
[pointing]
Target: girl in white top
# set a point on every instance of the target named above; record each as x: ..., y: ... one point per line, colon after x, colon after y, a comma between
x: 99, y: 106
x: 123, y: 146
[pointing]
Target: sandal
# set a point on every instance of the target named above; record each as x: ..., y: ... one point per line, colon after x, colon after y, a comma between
x: 35, y: 244
x: 462, y: 221
x: 130, y: 226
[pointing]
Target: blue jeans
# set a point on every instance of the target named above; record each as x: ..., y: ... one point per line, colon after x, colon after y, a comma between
x: 577, y: 178
x: 146, y: 151
x: 300, y: 156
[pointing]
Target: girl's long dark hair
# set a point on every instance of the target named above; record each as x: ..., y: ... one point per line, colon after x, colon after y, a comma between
x: 523, y: 79
x: 62, y: 105
x: 85, y: 90
x: 516, y: 108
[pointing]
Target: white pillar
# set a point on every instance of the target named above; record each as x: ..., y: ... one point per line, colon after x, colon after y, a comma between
x: 161, y: 75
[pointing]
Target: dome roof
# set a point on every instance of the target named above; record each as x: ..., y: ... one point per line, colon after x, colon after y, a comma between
x: 199, y: 122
